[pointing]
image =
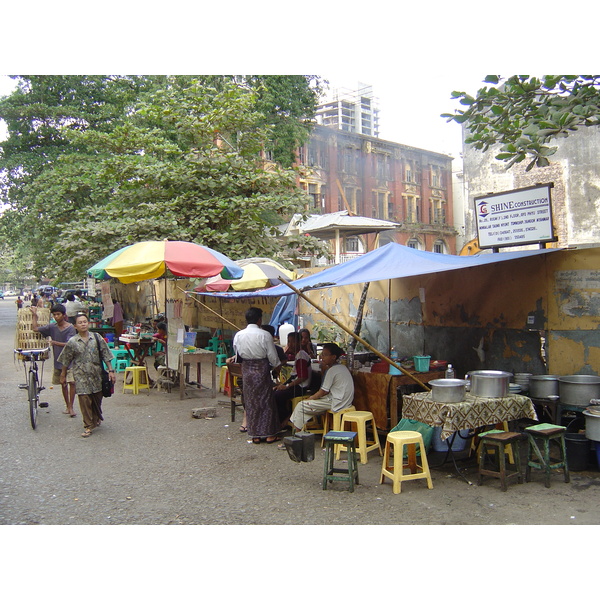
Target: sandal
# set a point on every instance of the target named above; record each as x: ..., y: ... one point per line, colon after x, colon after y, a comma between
x: 86, y: 433
x: 243, y: 429
x: 256, y: 440
x: 272, y: 440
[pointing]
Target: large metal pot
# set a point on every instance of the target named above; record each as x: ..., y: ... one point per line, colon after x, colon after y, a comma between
x: 543, y: 386
x: 592, y: 426
x: 578, y: 390
x: 448, y: 390
x: 489, y: 384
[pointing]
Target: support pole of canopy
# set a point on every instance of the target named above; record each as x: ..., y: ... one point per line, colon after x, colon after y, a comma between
x: 363, y: 342
x: 359, y: 314
x: 337, y: 246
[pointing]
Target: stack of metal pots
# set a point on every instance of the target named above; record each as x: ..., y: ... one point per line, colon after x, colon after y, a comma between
x: 543, y: 386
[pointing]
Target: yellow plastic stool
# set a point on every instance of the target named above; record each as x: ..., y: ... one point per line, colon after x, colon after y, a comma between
x: 396, y: 440
x: 332, y: 420
x: 223, y: 383
x: 360, y: 418
x: 137, y: 382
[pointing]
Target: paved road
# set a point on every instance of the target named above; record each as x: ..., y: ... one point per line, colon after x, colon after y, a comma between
x: 152, y: 463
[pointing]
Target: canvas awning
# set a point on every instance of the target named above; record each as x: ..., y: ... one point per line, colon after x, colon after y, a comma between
x: 391, y: 261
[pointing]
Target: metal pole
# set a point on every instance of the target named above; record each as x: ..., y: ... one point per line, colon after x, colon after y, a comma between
x: 358, y: 338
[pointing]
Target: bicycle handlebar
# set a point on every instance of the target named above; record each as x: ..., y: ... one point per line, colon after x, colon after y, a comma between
x: 35, y: 353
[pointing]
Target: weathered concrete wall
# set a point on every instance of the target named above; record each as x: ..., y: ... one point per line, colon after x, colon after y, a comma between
x: 575, y: 171
x: 536, y: 315
x: 574, y: 312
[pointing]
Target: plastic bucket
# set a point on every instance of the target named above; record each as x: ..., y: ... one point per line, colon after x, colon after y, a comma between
x: 578, y: 451
x: 110, y: 337
x: 421, y: 363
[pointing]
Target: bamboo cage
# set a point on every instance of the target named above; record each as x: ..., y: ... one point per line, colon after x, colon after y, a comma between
x: 25, y: 337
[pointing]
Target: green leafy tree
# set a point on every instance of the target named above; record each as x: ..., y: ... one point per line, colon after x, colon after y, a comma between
x: 524, y: 114
x: 179, y: 160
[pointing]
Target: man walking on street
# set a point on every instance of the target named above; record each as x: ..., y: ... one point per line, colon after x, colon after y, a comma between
x: 86, y: 352
x: 60, y: 333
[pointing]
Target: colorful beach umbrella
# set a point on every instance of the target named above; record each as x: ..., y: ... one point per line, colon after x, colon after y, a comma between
x: 259, y: 273
x: 150, y: 260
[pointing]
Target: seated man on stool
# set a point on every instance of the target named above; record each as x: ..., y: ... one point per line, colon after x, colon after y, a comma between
x: 337, y: 389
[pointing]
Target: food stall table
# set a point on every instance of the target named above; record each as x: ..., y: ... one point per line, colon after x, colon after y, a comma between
x: 139, y: 349
x: 187, y: 359
x: 473, y: 412
x: 377, y: 393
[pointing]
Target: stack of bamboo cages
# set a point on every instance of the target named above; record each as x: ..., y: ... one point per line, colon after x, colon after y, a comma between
x: 25, y: 337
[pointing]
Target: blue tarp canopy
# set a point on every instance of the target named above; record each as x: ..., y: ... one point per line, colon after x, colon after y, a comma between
x: 391, y: 261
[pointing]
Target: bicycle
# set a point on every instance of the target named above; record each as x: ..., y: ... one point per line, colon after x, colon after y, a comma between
x: 34, y: 380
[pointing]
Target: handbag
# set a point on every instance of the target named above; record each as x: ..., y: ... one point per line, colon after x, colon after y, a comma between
x: 107, y: 386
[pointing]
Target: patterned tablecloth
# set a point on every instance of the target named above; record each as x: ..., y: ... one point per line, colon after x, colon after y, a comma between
x: 473, y: 412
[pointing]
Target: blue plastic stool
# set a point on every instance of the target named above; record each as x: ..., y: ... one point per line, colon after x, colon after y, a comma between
x: 121, y: 365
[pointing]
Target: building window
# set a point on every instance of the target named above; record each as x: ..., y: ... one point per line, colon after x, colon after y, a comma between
x: 313, y: 192
x: 302, y: 155
x: 438, y: 211
x: 352, y: 244
x: 413, y: 243
x: 439, y: 246
x: 412, y: 209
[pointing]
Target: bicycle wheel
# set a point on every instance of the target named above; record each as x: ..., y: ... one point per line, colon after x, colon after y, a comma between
x: 32, y: 389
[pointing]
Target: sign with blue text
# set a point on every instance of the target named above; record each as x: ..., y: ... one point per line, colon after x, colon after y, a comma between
x: 515, y: 218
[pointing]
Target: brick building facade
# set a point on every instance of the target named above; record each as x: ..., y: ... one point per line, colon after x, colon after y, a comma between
x: 375, y: 178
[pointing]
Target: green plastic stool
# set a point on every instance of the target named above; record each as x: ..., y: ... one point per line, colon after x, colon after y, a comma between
x: 331, y: 473
x: 540, y: 436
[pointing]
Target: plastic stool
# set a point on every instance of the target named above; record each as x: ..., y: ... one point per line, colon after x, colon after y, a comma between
x: 136, y: 383
x: 396, y: 440
x: 539, y: 437
x: 224, y: 380
x: 121, y: 354
x: 332, y: 421
x: 497, y: 441
x: 121, y: 365
x: 221, y: 360
x: 331, y: 473
x: 360, y: 418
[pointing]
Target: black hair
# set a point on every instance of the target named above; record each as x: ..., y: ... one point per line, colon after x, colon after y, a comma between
x: 58, y: 308
x: 161, y: 325
x: 333, y: 349
x: 270, y: 329
x: 254, y: 315
x: 295, y: 335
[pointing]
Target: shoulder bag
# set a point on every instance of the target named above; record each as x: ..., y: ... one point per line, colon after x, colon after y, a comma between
x: 107, y: 386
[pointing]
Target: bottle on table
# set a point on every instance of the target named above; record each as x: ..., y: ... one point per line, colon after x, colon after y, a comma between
x: 450, y: 373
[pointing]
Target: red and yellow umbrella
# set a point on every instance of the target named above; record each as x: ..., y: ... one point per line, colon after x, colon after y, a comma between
x: 150, y: 260
x: 259, y: 273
